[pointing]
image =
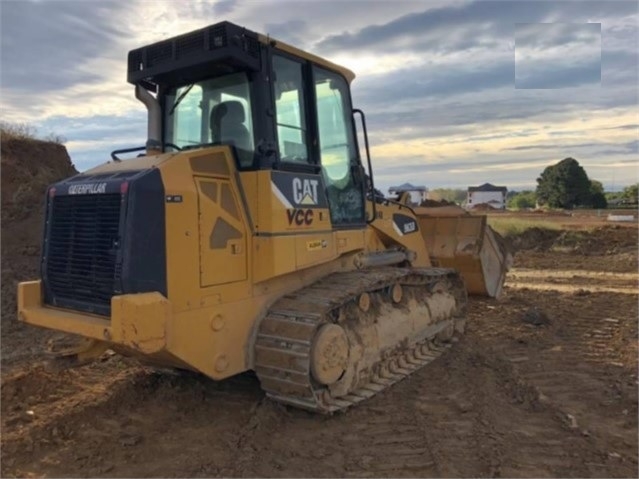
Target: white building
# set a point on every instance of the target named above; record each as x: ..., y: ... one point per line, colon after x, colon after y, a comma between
x: 486, y: 194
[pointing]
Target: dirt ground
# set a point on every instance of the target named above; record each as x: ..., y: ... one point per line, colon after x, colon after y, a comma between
x: 543, y: 384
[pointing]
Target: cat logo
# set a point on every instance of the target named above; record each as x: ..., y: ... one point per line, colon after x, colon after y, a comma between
x: 305, y: 191
x: 298, y: 190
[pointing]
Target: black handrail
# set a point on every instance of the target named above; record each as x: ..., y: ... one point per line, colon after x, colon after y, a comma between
x: 368, y: 158
x: 114, y: 153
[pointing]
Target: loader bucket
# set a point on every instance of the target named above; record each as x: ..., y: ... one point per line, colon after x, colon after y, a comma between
x: 456, y: 239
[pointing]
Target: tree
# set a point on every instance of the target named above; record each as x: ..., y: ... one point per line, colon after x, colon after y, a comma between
x: 521, y: 200
x: 564, y: 185
x: 597, y: 195
x: 612, y: 196
x: 630, y: 194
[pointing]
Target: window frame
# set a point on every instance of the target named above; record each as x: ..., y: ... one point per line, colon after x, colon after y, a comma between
x: 355, y: 161
x: 312, y: 166
x: 256, y: 97
x: 348, y: 118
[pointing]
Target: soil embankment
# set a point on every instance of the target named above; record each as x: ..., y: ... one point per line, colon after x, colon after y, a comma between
x: 28, y: 166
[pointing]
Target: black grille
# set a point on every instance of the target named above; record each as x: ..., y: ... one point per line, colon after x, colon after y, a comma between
x: 217, y: 37
x: 189, y: 44
x: 194, y: 54
x: 159, y: 53
x: 252, y: 47
x: 135, y: 60
x: 81, y: 251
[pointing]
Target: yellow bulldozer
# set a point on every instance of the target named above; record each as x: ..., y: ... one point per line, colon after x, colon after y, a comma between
x: 246, y: 235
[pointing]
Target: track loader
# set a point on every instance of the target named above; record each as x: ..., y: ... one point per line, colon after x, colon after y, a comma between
x: 246, y: 235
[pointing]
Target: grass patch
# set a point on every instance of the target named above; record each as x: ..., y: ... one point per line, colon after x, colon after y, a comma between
x: 25, y: 131
x: 512, y: 226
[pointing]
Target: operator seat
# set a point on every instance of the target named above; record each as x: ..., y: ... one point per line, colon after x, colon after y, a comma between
x: 227, y: 125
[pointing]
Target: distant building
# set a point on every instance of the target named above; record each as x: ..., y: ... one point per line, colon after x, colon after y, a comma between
x: 486, y: 195
x: 417, y: 193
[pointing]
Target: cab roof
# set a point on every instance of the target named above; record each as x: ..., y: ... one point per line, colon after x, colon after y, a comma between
x: 220, y: 47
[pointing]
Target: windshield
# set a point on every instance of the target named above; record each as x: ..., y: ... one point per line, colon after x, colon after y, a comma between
x: 214, y: 111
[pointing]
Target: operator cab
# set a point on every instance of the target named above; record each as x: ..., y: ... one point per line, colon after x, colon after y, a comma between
x: 276, y: 106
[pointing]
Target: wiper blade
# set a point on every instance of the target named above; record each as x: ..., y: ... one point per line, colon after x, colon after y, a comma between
x: 180, y: 98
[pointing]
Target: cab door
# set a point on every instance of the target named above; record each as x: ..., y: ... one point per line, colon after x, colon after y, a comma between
x: 338, y: 153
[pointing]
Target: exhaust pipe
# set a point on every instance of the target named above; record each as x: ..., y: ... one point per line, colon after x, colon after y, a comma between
x: 154, y: 122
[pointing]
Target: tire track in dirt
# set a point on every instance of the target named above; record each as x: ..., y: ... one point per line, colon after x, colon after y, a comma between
x: 387, y: 445
x: 135, y: 427
x: 583, y: 375
x: 422, y: 427
x: 459, y: 425
x: 511, y: 433
x: 570, y: 281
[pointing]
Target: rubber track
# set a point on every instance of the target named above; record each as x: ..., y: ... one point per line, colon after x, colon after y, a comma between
x: 283, y: 344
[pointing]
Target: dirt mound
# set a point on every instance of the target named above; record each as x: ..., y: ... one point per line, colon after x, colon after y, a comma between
x: 28, y: 167
x: 434, y: 203
x: 483, y: 207
x: 536, y: 239
x: 603, y: 240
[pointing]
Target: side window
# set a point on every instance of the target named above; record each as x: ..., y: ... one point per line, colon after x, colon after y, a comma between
x: 337, y: 148
x: 289, y: 108
x: 186, y: 118
x: 217, y: 110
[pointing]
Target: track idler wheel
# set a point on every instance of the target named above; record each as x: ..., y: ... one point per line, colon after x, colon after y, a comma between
x: 329, y: 354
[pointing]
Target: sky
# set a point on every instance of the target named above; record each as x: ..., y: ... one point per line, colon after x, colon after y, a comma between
x: 456, y: 93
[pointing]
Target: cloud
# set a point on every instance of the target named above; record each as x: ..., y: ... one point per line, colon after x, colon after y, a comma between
x: 90, y: 140
x: 224, y: 7
x: 495, y: 17
x: 557, y: 55
x: 294, y: 31
x: 45, y: 44
x: 546, y: 36
x: 557, y: 74
x: 552, y: 146
x: 423, y: 82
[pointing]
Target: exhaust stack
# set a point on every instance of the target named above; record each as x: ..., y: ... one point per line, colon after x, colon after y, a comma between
x: 154, y: 122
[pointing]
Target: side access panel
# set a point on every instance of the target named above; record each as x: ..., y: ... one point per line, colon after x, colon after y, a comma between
x: 223, y: 243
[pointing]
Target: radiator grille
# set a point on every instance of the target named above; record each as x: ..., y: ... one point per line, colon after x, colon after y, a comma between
x: 158, y: 53
x: 189, y: 44
x: 82, y: 243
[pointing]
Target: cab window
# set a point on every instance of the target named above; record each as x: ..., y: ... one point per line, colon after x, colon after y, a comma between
x: 213, y: 111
